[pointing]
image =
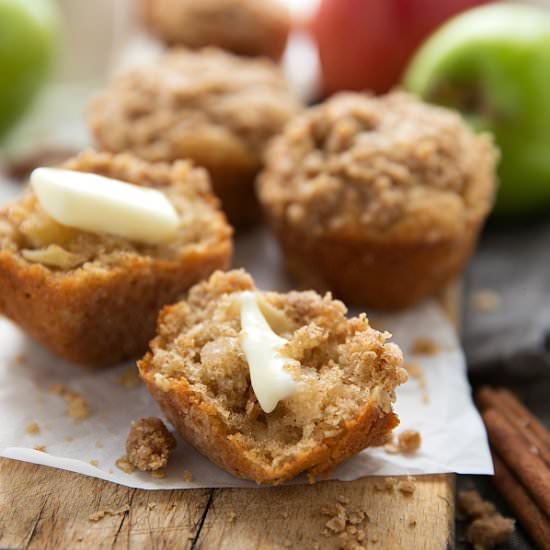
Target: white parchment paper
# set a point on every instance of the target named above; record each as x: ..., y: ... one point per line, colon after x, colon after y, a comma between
x: 453, y: 437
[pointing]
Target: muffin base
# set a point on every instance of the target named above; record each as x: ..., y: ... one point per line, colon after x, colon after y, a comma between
x: 199, y: 424
x: 98, y: 317
x: 375, y: 274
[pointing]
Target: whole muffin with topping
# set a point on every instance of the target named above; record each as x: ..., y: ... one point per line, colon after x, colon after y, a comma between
x: 93, y: 297
x: 245, y: 27
x: 214, y: 108
x: 380, y: 199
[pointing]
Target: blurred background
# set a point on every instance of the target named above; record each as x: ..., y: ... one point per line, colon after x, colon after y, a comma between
x: 55, y: 54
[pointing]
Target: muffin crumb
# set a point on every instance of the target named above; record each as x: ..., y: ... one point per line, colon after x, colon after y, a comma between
x: 41, y: 448
x: 123, y: 464
x: 33, y: 428
x: 94, y: 462
x: 424, y: 345
x: 485, y: 300
x: 407, y: 486
x: 149, y: 444
x: 100, y: 514
x: 129, y: 379
x: 409, y: 441
x: 77, y: 406
x: 158, y: 474
x: 187, y: 476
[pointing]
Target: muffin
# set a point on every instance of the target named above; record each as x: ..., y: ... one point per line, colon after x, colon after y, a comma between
x: 93, y: 298
x: 214, y: 108
x: 244, y: 27
x: 379, y: 199
x: 345, y: 374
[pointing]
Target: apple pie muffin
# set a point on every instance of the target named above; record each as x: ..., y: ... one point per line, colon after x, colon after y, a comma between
x: 93, y: 298
x: 379, y: 199
x: 212, y: 107
x: 244, y: 27
x: 344, y: 375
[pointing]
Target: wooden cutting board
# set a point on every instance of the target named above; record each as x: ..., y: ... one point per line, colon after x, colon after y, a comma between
x: 44, y: 508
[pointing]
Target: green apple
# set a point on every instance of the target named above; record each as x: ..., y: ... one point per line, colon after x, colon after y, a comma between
x: 493, y: 64
x: 28, y: 32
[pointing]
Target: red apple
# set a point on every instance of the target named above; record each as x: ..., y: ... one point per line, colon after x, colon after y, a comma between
x: 366, y: 44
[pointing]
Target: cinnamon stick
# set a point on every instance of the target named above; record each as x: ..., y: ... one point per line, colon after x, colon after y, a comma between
x: 519, y: 416
x: 517, y: 454
x: 525, y: 509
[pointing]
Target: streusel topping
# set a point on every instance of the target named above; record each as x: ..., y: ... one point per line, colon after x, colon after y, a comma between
x: 382, y: 167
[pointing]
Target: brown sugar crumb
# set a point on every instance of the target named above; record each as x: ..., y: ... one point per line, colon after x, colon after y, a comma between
x: 33, y: 428
x: 94, y: 463
x: 485, y: 300
x: 409, y: 441
x: 100, y: 514
x: 407, y: 486
x: 158, y: 474
x: 487, y: 532
x: 187, y: 476
x: 488, y: 527
x: 149, y: 444
x: 41, y: 448
x: 123, y: 464
x: 424, y: 346
x: 129, y: 379
x: 344, y: 523
x: 385, y: 485
x: 77, y: 406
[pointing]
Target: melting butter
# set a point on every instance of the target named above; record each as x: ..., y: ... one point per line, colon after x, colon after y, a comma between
x: 103, y: 205
x: 270, y: 381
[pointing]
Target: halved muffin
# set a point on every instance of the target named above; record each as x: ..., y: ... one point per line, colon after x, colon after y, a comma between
x: 210, y: 106
x: 378, y: 199
x: 93, y: 298
x: 346, y: 375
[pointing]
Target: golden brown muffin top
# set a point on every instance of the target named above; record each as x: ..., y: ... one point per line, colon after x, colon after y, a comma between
x: 26, y: 229
x: 188, y: 101
x: 246, y: 27
x: 388, y: 167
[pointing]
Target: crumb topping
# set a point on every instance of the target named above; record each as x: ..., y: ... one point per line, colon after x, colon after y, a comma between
x: 149, y: 444
x: 191, y: 104
x: 26, y: 228
x: 388, y: 167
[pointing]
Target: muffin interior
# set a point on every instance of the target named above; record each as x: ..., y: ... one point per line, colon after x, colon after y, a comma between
x: 26, y: 228
x: 343, y: 364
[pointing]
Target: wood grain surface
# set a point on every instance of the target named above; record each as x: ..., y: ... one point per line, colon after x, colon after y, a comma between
x: 43, y: 508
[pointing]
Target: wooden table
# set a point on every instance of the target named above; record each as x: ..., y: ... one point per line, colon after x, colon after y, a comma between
x: 46, y: 509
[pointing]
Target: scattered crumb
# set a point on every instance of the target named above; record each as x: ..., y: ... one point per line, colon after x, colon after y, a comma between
x: 123, y: 464
x: 485, y: 300
x: 99, y: 444
x: 311, y: 478
x: 487, y: 532
x: 129, y: 379
x: 412, y: 523
x: 342, y: 499
x: 41, y: 448
x: 149, y: 444
x: 187, y: 476
x: 173, y: 505
x: 417, y: 372
x: 20, y: 359
x: 409, y: 441
x: 336, y: 524
x: 79, y: 539
x: 151, y: 505
x: 231, y: 516
x: 100, y: 514
x: 344, y: 523
x: 424, y: 346
x: 472, y: 505
x: 488, y: 527
x: 158, y: 474
x: 407, y: 486
x: 77, y: 406
x: 33, y: 428
x: 385, y: 484
x: 94, y: 463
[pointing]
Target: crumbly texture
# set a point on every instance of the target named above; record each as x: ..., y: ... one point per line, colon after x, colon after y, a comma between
x: 77, y: 405
x: 94, y: 298
x: 245, y: 27
x: 149, y: 444
x: 379, y: 199
x: 488, y: 528
x: 198, y: 373
x: 409, y: 441
x: 210, y: 106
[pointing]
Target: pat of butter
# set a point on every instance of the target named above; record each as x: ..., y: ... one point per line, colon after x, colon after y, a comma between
x: 103, y: 205
x: 261, y: 346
